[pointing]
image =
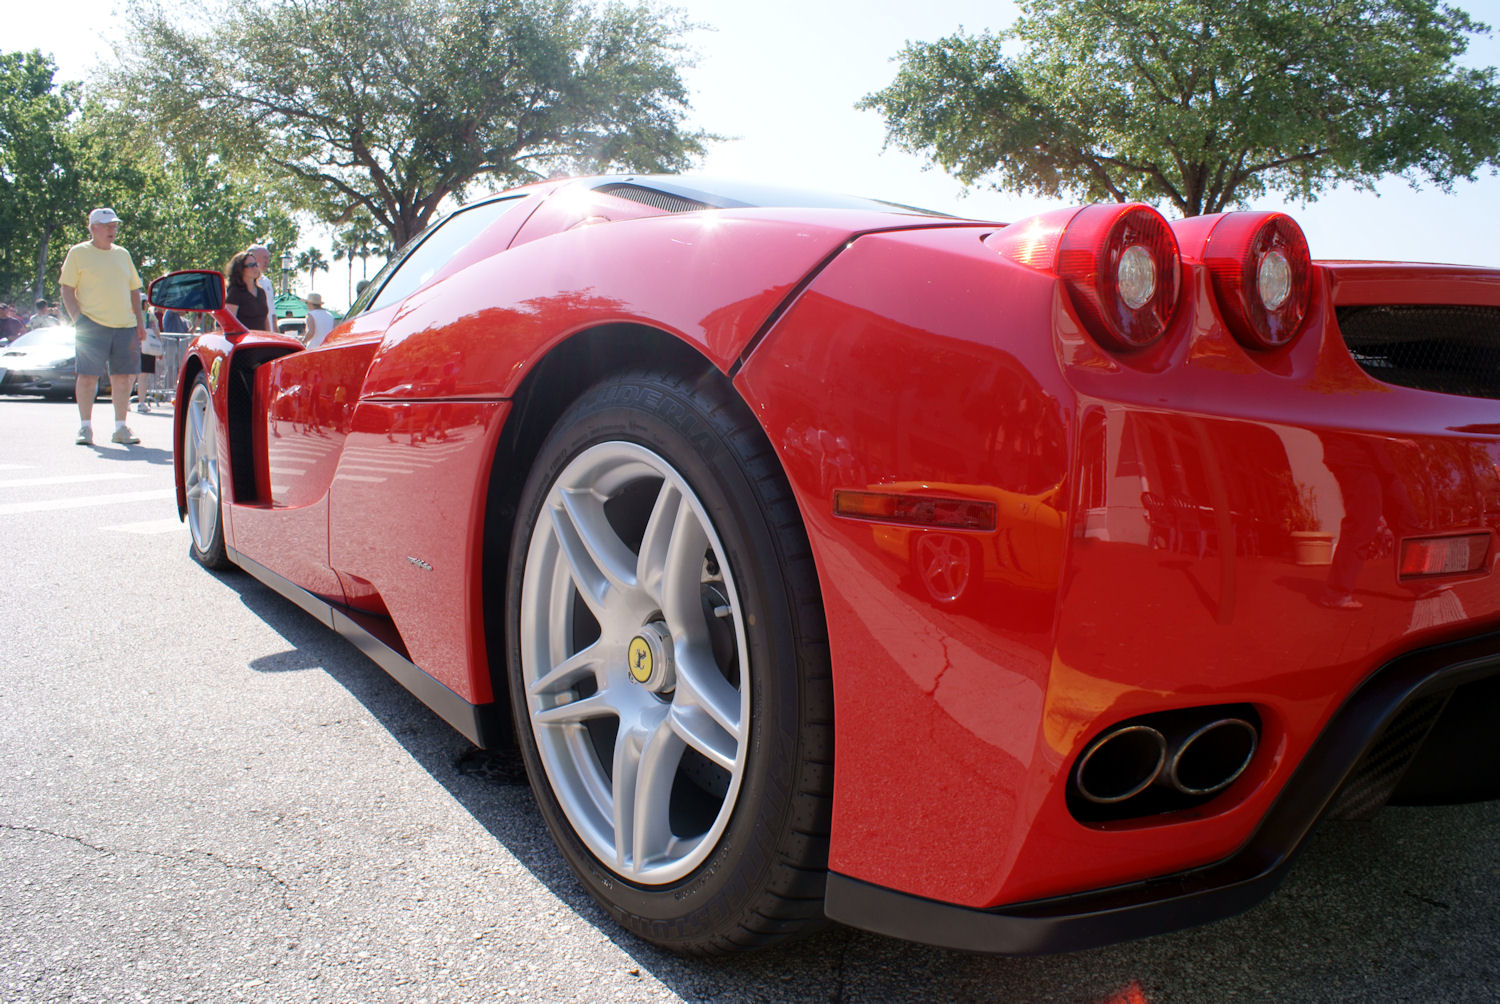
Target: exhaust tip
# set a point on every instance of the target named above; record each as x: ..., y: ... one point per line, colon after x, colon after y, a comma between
x: 1211, y: 758
x: 1121, y: 764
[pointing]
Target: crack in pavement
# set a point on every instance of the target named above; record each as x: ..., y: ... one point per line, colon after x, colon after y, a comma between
x: 184, y: 857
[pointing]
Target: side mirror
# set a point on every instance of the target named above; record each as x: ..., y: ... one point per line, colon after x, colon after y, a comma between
x: 190, y: 291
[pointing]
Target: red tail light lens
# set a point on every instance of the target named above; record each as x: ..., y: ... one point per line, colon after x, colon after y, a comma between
x: 1262, y: 276
x: 1120, y: 265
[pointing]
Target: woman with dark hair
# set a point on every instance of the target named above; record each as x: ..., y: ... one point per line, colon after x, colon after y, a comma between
x: 245, y: 299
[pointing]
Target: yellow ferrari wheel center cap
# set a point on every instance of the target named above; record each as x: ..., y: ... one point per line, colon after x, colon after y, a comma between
x: 649, y: 658
x: 641, y: 659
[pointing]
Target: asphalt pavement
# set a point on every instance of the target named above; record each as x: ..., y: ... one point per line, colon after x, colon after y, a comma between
x: 207, y: 796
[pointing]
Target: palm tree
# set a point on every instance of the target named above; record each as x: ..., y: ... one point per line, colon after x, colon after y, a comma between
x: 361, y: 239
x: 310, y: 261
x: 340, y: 252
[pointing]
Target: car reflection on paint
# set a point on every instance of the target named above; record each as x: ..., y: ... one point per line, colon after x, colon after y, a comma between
x: 950, y: 566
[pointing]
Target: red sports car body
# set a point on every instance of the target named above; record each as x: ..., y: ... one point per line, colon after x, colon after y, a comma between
x: 1013, y: 588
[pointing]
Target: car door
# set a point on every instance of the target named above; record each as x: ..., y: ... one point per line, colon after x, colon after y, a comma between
x: 307, y: 401
x: 310, y: 396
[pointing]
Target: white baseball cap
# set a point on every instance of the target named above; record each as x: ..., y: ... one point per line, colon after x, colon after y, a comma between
x: 103, y: 215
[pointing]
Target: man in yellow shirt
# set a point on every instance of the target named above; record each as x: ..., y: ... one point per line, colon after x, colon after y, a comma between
x: 101, y: 291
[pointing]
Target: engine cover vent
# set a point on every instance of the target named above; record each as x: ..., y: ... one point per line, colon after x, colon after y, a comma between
x: 652, y: 197
x: 1450, y: 349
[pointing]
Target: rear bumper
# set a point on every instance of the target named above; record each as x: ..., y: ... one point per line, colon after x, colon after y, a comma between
x: 1365, y: 747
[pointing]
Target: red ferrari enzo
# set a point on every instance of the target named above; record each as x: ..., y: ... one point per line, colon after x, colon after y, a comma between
x: 1012, y: 588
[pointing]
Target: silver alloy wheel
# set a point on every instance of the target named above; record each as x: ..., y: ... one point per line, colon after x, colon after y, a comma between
x: 634, y: 663
x: 200, y: 468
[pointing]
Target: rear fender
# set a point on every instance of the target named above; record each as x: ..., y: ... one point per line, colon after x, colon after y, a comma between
x: 712, y: 280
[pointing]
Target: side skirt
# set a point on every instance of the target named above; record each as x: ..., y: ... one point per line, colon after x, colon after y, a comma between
x: 482, y: 724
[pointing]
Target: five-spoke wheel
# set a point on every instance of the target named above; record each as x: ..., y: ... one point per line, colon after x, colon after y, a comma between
x: 668, y: 668
x: 200, y: 476
x: 632, y: 639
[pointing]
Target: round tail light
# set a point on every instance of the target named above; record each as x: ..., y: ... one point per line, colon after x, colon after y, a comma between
x: 1120, y: 265
x: 1262, y: 276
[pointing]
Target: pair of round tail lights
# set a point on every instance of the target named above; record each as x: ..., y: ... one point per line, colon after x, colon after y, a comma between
x: 1121, y: 265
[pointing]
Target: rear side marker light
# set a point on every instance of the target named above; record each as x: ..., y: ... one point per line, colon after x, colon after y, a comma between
x: 915, y: 510
x: 1423, y: 556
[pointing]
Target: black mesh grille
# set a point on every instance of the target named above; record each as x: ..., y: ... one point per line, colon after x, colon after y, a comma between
x: 651, y: 197
x: 1448, y: 349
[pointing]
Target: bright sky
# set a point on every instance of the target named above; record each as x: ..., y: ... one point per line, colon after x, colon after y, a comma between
x: 780, y: 77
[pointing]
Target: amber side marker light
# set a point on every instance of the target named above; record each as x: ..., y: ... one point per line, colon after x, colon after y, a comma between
x: 915, y: 510
x: 1423, y: 556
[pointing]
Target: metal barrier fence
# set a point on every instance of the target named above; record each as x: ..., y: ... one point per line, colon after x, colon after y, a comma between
x: 162, y: 385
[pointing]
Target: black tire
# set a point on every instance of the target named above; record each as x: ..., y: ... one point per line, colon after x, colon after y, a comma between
x: 198, y: 447
x: 760, y: 876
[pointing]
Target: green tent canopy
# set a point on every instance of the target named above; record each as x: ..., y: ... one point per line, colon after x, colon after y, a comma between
x: 287, y: 304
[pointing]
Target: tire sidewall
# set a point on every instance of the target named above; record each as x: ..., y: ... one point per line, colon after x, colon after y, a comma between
x: 673, y: 422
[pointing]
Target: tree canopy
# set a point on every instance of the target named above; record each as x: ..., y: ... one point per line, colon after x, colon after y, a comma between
x: 388, y: 107
x: 1203, y: 104
x: 61, y: 156
x: 41, y: 175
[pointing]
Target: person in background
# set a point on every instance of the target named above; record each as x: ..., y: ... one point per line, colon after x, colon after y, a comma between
x: 263, y: 255
x: 173, y: 324
x: 245, y: 299
x: 101, y: 291
x: 11, y: 324
x: 45, y: 317
x: 319, y: 321
x: 148, y: 364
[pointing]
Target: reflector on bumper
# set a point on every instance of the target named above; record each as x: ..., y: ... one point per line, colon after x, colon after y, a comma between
x: 1423, y: 556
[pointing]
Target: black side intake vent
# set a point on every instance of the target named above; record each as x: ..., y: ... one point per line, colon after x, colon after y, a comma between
x: 1447, y: 349
x: 651, y: 197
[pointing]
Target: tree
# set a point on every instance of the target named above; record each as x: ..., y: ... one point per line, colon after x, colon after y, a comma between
x: 340, y: 252
x: 310, y: 261
x: 188, y: 212
x: 360, y: 239
x: 42, y: 188
x: 392, y: 106
x: 62, y: 155
x: 1204, y: 104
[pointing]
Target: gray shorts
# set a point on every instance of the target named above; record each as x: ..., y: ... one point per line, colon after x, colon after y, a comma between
x: 97, y: 345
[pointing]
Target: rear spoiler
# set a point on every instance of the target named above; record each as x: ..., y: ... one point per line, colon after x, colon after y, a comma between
x: 1360, y: 283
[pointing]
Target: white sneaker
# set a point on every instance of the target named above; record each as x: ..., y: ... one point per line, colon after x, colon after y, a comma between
x: 141, y: 407
x: 125, y: 437
x: 85, y: 435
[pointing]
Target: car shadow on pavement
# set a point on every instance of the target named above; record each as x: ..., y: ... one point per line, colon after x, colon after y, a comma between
x: 1399, y: 908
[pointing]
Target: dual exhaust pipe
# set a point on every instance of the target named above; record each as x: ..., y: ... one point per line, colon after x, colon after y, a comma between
x: 1195, y: 762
